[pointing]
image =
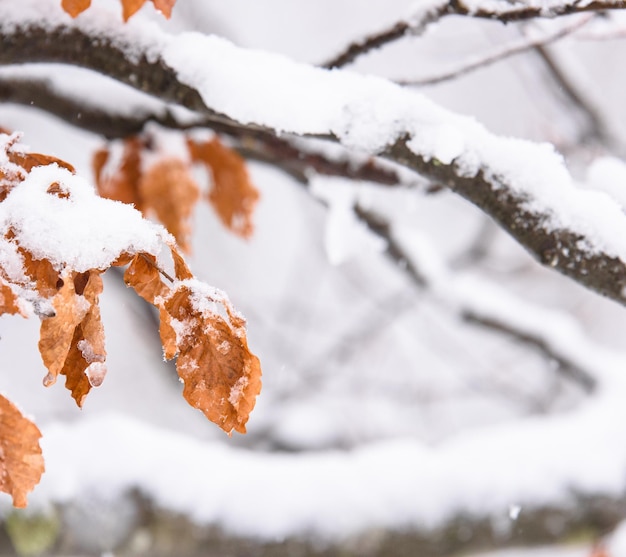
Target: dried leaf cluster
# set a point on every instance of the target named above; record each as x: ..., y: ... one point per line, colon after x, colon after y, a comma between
x: 129, y: 7
x: 198, y: 324
x: 164, y: 186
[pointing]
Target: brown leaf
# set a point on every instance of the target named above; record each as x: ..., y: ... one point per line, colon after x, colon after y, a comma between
x: 164, y: 6
x: 233, y: 195
x: 168, y: 189
x: 169, y: 340
x: 122, y: 184
x: 9, y: 300
x: 130, y: 7
x: 143, y: 275
x: 21, y: 463
x: 181, y: 270
x: 28, y: 161
x: 57, y: 332
x: 75, y: 7
x: 46, y: 279
x: 221, y: 377
x: 74, y: 367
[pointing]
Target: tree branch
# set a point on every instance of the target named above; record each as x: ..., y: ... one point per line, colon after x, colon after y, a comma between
x: 561, y: 249
x: 526, y: 207
x: 518, y: 47
x: 537, y: 336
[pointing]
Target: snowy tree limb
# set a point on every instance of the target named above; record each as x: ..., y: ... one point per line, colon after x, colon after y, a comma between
x: 529, y: 209
x: 253, y: 144
x: 561, y: 249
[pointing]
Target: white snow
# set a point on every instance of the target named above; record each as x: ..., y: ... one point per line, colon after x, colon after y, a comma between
x: 83, y: 231
x: 345, y: 236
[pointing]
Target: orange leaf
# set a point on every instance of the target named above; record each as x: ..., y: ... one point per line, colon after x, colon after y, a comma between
x: 74, y: 368
x: 164, y: 6
x: 233, y: 196
x: 8, y: 300
x: 181, y: 269
x: 58, y: 331
x: 21, y: 463
x: 84, y: 366
x: 122, y: 185
x: 46, y: 279
x: 129, y: 7
x: 143, y: 275
x: 75, y: 7
x: 28, y: 161
x: 221, y: 377
x: 168, y: 189
x: 169, y: 340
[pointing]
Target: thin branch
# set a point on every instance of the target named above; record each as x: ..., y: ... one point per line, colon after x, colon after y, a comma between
x: 507, y: 51
x: 508, y: 13
x: 538, y: 339
x: 597, y: 129
x: 400, y: 29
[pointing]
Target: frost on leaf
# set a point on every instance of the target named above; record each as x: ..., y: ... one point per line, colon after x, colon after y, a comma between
x: 232, y: 194
x: 21, y: 463
x: 221, y: 377
x: 129, y: 7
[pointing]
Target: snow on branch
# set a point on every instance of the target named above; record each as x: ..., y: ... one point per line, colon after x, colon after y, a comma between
x: 524, y: 186
x: 113, y: 123
x: 493, y: 10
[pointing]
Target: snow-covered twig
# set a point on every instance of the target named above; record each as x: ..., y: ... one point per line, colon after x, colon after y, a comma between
x: 504, y: 12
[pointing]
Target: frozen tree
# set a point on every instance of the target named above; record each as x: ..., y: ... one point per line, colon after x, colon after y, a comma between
x: 386, y: 161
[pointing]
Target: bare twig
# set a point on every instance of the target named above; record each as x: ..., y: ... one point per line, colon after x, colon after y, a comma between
x: 517, y: 47
x: 597, y: 129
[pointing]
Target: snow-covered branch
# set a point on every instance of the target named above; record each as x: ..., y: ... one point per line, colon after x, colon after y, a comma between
x: 525, y: 187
